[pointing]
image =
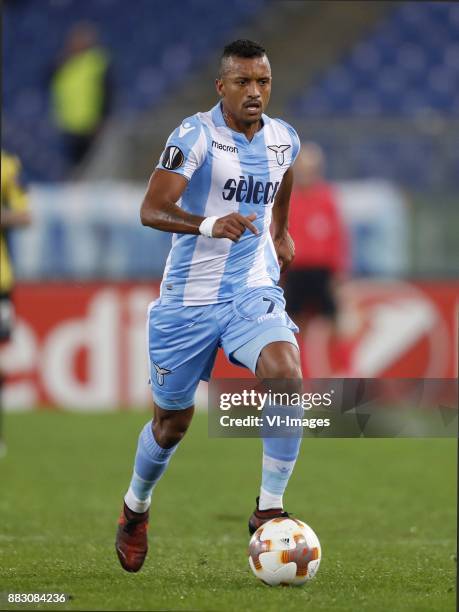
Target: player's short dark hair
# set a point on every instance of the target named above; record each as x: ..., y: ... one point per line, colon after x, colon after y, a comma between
x: 241, y: 48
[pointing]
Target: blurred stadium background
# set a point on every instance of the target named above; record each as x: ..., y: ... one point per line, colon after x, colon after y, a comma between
x: 376, y: 84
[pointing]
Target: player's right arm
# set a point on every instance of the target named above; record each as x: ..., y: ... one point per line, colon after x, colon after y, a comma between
x: 184, y: 154
x: 160, y: 211
x: 159, y: 207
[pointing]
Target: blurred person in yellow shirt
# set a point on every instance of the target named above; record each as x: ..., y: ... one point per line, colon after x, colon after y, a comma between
x: 14, y: 213
x: 81, y: 91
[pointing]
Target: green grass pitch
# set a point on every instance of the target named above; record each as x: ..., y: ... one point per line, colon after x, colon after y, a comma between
x: 384, y: 510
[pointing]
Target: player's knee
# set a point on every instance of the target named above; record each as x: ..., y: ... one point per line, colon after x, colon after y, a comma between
x: 282, y: 367
x: 279, y: 361
x: 170, y: 427
x: 285, y: 378
x: 169, y: 434
x: 287, y: 369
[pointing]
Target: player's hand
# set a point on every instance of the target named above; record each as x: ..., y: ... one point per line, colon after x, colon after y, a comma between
x: 285, y: 249
x: 232, y: 226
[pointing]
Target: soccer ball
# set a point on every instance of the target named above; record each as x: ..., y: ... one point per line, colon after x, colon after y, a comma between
x: 284, y: 551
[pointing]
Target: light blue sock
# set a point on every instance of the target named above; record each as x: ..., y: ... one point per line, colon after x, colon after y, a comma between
x: 151, y: 461
x: 279, y: 458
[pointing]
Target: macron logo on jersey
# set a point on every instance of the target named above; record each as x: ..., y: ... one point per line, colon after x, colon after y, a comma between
x: 184, y: 129
x: 222, y: 147
x: 250, y: 191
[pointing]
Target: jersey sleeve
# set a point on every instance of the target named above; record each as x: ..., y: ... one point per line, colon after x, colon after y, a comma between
x: 294, y: 140
x: 186, y: 148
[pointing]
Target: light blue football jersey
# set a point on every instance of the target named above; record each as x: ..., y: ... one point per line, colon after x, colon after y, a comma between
x: 226, y: 173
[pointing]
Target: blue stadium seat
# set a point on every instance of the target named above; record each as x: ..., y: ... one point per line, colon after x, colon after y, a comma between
x: 407, y: 67
x: 409, y: 62
x: 151, y: 51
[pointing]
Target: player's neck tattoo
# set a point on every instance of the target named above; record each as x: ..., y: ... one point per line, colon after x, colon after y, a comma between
x: 231, y: 123
x: 228, y: 119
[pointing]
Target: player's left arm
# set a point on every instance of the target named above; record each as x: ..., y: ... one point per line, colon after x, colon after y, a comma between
x: 283, y: 242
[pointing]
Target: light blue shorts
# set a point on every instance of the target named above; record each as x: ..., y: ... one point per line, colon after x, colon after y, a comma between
x: 183, y: 340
